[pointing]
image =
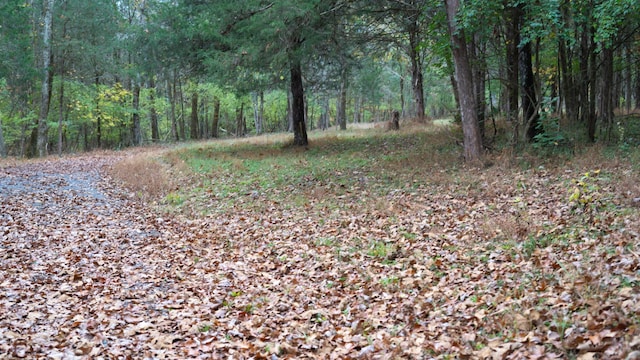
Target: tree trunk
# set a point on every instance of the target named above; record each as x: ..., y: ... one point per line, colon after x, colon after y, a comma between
x: 479, y: 67
x: 606, y: 92
x: 416, y: 71
x: 177, y: 84
x: 216, y: 118
x: 529, y: 99
x: 342, y: 102
x: 194, y: 116
x: 47, y: 79
x: 172, y: 101
x: 297, y: 105
x: 258, y: 110
x: 512, y: 42
x: 468, y: 104
x: 356, y: 109
x: 240, y: 121
x: 60, y: 115
x: 325, y: 116
x: 153, y: 114
x: 3, y: 148
x: 137, y: 131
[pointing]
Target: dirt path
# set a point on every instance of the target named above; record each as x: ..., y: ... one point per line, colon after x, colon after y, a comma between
x: 79, y: 263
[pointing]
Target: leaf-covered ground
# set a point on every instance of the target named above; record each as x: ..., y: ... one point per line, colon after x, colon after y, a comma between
x: 482, y: 264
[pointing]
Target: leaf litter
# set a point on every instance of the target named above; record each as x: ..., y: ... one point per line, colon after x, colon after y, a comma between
x: 497, y: 267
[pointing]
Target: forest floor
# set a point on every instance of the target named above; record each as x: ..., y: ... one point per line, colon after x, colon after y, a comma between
x: 372, y: 246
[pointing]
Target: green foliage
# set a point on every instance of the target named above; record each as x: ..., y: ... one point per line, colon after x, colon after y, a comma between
x: 551, y: 139
x: 585, y: 194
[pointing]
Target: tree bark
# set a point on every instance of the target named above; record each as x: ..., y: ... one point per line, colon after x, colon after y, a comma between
x: 468, y: 103
x: 240, y: 121
x: 529, y: 99
x: 177, y: 84
x: 194, y: 116
x: 342, y: 102
x: 60, y: 114
x: 3, y: 148
x: 47, y: 79
x: 512, y: 42
x: 607, y: 98
x: 172, y: 101
x: 137, y: 131
x: 416, y: 71
x: 297, y: 105
x: 216, y: 118
x: 153, y: 114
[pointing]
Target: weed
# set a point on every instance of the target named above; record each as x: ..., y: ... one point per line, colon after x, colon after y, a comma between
x: 204, y: 328
x: 174, y: 199
x: 380, y: 249
x: 389, y: 281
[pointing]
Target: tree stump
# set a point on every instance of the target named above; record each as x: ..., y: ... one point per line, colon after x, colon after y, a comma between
x: 395, y: 120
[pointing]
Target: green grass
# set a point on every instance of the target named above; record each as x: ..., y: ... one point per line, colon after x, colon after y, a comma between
x: 335, y: 165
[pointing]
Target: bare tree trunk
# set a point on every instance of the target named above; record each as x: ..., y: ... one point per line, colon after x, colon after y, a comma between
x: 606, y: 92
x: 153, y: 114
x: 216, y: 118
x: 512, y: 41
x: 3, y: 148
x: 289, y: 118
x: 468, y: 103
x: 342, y: 102
x: 137, y: 132
x: 529, y: 98
x: 60, y: 115
x: 416, y: 71
x: 194, y: 116
x: 47, y: 79
x: 257, y: 100
x: 297, y: 105
x: 240, y: 121
x: 177, y: 84
x: 172, y: 101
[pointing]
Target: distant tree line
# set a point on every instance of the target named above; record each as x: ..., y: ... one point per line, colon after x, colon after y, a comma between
x: 77, y: 75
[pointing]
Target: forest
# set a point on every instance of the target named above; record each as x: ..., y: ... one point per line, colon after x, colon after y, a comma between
x: 80, y: 75
x: 208, y: 179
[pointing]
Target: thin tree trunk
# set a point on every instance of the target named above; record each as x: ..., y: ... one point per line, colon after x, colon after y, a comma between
x: 3, y: 148
x: 177, y: 84
x: 513, y: 40
x: 216, y: 118
x: 257, y: 112
x: 153, y: 114
x: 261, y: 122
x: 342, y: 102
x: 289, y: 118
x: 137, y: 132
x: 60, y: 115
x: 606, y: 91
x: 416, y: 71
x: 239, y: 121
x: 297, y: 105
x: 194, y: 116
x: 468, y: 104
x: 47, y: 79
x: 172, y: 101
x: 529, y: 98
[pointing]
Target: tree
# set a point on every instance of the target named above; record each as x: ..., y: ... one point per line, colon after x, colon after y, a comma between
x: 464, y: 85
x: 47, y: 78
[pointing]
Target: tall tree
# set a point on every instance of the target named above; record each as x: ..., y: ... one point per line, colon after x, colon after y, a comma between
x: 47, y: 79
x: 464, y: 85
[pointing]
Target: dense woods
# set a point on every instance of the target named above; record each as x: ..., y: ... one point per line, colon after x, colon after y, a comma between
x: 79, y: 75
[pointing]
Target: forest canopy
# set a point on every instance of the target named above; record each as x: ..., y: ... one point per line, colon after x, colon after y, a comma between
x: 79, y: 75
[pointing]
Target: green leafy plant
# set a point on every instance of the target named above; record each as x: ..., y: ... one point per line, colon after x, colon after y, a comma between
x: 585, y: 194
